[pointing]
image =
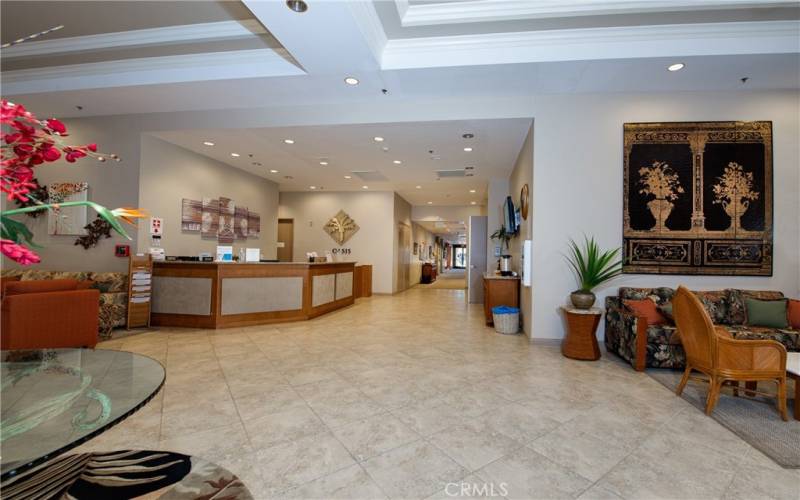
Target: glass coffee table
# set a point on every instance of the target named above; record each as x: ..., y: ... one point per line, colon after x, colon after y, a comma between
x: 55, y: 399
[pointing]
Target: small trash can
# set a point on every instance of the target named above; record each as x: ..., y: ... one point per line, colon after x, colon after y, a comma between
x: 506, y: 319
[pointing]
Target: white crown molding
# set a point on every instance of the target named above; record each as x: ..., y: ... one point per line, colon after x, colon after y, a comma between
x: 370, y: 25
x: 151, y: 36
x: 768, y: 37
x: 509, y: 10
x: 151, y: 70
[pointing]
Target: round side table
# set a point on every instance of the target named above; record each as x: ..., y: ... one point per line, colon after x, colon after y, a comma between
x: 580, y: 341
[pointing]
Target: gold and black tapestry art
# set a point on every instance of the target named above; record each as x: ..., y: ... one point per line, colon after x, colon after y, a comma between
x: 698, y: 198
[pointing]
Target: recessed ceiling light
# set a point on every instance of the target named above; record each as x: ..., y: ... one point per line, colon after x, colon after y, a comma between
x: 351, y: 80
x: 676, y: 67
x: 347, y: 177
x: 471, y: 190
x: 473, y: 203
x: 323, y: 163
x: 273, y: 171
x: 364, y: 187
x: 208, y: 143
x: 298, y: 6
x: 468, y: 150
x: 312, y: 187
x: 397, y: 162
x: 235, y: 155
x: 288, y: 141
x: 430, y: 203
x: 419, y: 187
x: 468, y: 136
x: 377, y: 138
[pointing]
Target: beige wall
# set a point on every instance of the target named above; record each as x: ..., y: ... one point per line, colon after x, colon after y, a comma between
x: 372, y: 244
x: 112, y: 184
x: 170, y: 173
x: 578, y: 186
x: 521, y: 175
x: 498, y: 191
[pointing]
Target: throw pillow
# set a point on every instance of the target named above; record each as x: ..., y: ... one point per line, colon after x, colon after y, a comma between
x: 647, y: 309
x: 793, y: 313
x: 666, y: 311
x: 769, y: 313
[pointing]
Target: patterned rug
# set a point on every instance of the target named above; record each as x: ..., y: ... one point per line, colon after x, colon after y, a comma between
x: 127, y: 474
x: 755, y: 420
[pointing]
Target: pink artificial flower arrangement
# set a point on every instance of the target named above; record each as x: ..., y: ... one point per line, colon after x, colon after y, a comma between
x: 26, y: 143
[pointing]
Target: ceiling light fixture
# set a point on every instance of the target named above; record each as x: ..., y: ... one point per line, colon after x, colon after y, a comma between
x: 419, y: 187
x: 208, y: 143
x: 468, y: 136
x: 468, y: 150
x: 364, y: 187
x: 430, y: 203
x: 288, y: 141
x: 397, y: 162
x: 273, y: 171
x: 347, y: 177
x: 312, y: 187
x: 235, y: 155
x: 377, y: 138
x: 473, y: 203
x: 676, y: 67
x: 471, y: 190
x: 351, y: 80
x: 323, y: 163
x: 298, y: 6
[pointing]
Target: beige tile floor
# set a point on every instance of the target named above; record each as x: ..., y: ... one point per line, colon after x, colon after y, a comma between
x: 400, y: 396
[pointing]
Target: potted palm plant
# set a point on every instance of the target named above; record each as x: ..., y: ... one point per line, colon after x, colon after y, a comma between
x: 592, y: 268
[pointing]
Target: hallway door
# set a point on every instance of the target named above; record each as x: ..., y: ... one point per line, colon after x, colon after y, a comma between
x: 476, y: 257
x: 286, y: 236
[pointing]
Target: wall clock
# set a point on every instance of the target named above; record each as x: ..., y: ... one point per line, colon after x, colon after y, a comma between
x: 523, y: 202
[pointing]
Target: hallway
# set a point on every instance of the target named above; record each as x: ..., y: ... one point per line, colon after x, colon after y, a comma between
x: 451, y: 279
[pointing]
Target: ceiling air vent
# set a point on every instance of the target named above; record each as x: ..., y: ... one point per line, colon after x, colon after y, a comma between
x: 370, y: 175
x: 444, y: 174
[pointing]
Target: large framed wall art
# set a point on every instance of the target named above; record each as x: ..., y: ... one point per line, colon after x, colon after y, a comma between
x: 698, y: 198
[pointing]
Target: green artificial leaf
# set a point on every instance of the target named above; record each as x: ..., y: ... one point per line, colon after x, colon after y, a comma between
x: 16, y: 231
x: 591, y: 265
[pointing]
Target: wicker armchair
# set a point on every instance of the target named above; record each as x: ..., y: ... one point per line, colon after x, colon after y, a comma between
x: 722, y: 359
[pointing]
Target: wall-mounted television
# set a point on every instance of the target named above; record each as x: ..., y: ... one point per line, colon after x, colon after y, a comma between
x: 509, y: 216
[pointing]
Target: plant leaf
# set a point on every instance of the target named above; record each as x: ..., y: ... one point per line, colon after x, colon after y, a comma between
x: 16, y: 231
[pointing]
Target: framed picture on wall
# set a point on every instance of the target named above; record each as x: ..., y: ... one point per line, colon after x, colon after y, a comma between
x: 416, y: 248
x: 698, y: 198
x: 67, y: 220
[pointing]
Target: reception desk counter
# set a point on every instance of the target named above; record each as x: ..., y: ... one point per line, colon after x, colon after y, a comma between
x: 223, y: 295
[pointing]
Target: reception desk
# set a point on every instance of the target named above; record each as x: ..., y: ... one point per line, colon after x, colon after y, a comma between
x: 223, y: 295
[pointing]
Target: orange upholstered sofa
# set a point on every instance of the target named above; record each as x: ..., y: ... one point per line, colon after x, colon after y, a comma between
x: 49, y: 314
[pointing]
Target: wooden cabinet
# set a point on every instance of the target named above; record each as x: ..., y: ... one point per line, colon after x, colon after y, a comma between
x: 499, y: 291
x: 362, y: 281
x: 428, y: 273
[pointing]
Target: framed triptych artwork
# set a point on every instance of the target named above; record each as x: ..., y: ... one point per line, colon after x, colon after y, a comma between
x: 698, y: 198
